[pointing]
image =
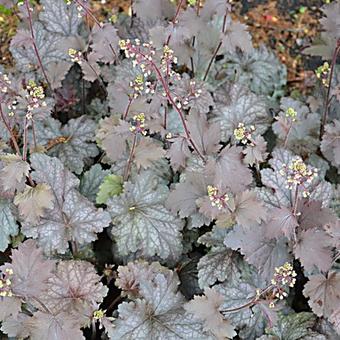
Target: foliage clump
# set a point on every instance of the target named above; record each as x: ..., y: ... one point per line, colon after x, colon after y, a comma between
x: 157, y: 182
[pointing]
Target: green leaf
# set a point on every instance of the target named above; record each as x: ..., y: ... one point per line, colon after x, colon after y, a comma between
x: 111, y: 186
x: 142, y: 223
x: 91, y: 180
x: 8, y: 224
x: 4, y: 10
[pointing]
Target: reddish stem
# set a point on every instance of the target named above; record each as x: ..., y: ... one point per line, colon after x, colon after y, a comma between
x: 327, y: 100
x: 170, y: 99
x: 34, y: 43
x: 212, y: 60
x: 288, y: 133
x: 248, y: 304
x: 174, y: 19
x: 165, y: 121
x: 14, y: 141
x: 90, y: 14
x: 128, y: 108
x: 296, y: 200
x: 24, y: 152
x: 34, y: 135
x: 132, y: 152
x: 198, y: 7
x: 217, y: 48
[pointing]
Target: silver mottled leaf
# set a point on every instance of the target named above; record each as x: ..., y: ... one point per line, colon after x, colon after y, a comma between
x: 260, y: 69
x: 250, y: 321
x: 53, y: 327
x: 259, y: 251
x: 59, y: 17
x: 293, y: 326
x: 75, y: 147
x: 48, y: 46
x: 236, y: 104
x: 74, y: 288
x: 76, y: 220
x: 73, y: 217
x: 158, y: 315
x: 141, y: 222
x: 8, y: 223
x: 319, y: 189
x: 219, y: 263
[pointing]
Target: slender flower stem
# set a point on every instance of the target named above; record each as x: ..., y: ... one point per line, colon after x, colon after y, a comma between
x: 296, y: 199
x: 216, y: 49
x: 212, y: 60
x: 97, y: 76
x: 295, y: 205
x: 74, y: 248
x: 30, y: 23
x: 92, y: 16
x: 171, y: 100
x: 34, y: 135
x: 113, y: 303
x: 25, y: 141
x: 132, y: 14
x: 88, y: 12
x: 165, y: 121
x: 248, y: 304
x: 129, y: 163
x: 198, y: 7
x: 236, y: 309
x: 14, y: 141
x: 128, y: 108
x: 175, y: 19
x: 288, y: 133
x: 328, y: 99
x: 83, y: 103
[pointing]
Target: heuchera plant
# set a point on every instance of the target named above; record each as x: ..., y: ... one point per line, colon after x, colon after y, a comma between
x: 156, y: 183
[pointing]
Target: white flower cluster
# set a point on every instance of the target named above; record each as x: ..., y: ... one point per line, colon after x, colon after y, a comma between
x: 297, y: 173
x: 217, y: 200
